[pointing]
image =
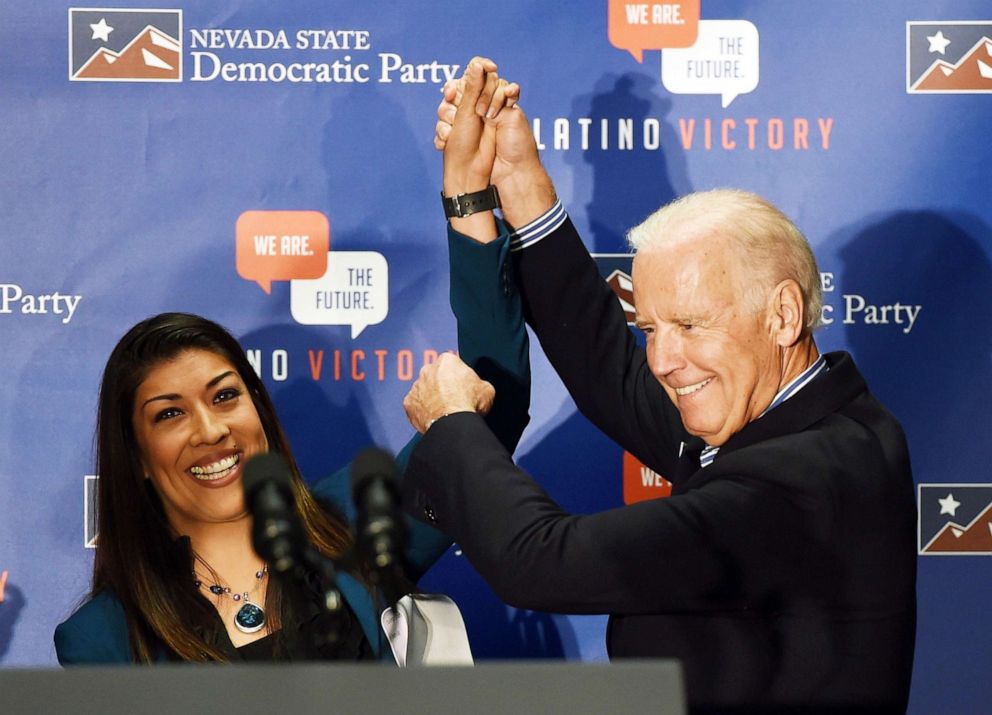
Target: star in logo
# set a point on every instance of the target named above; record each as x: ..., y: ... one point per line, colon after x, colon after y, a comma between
x: 949, y: 505
x: 101, y: 30
x: 938, y: 43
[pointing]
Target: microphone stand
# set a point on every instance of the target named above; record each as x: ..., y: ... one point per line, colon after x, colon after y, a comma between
x: 279, y: 538
x: 282, y: 543
x: 328, y: 598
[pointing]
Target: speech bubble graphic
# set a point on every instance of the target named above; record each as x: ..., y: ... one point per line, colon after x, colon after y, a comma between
x: 723, y: 61
x: 638, y: 26
x: 281, y: 245
x: 353, y: 291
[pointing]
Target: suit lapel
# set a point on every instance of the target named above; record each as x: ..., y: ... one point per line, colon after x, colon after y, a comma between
x: 821, y: 397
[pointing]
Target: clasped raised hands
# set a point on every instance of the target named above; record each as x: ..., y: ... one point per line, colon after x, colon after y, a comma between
x: 486, y: 139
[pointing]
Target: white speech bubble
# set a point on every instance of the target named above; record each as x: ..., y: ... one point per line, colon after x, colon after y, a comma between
x: 353, y: 291
x: 723, y: 61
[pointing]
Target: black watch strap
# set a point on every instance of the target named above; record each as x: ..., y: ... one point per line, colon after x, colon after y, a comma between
x: 464, y: 205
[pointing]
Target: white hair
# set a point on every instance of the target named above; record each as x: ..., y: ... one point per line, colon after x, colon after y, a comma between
x: 771, y: 247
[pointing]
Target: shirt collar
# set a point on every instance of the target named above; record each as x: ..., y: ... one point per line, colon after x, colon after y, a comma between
x: 794, y: 386
x: 797, y: 383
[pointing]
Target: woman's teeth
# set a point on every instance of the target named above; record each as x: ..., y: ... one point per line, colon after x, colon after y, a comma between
x: 217, y: 470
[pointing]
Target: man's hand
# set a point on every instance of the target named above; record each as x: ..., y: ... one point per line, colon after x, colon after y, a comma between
x: 446, y: 386
x: 470, y: 143
x: 504, y: 96
x: 506, y: 143
x: 3, y: 584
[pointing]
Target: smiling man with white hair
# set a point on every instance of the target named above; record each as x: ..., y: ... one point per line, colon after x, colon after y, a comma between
x: 781, y: 571
x: 728, y: 314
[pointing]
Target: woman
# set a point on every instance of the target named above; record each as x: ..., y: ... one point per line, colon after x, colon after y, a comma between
x: 175, y: 577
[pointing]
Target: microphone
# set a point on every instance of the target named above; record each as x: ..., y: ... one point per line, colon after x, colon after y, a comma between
x: 278, y: 537
x: 381, y: 532
x: 276, y: 534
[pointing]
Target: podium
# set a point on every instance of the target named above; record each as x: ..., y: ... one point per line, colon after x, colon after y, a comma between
x: 319, y: 689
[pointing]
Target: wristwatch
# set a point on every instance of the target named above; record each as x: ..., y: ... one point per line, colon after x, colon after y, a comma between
x: 464, y: 205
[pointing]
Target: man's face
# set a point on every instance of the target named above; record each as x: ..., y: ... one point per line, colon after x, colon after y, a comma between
x: 714, y: 354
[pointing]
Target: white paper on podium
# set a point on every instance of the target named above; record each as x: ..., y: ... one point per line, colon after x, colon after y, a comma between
x: 427, y: 629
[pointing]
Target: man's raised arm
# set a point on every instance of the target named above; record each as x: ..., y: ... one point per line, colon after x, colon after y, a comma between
x: 573, y: 312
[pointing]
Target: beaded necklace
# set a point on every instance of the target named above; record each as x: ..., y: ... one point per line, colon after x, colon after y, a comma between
x: 250, y: 618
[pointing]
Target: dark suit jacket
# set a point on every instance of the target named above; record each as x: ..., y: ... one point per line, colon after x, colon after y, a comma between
x: 781, y: 575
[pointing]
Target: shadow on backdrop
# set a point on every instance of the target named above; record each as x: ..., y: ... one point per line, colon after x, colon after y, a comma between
x: 630, y: 184
x: 325, y: 433
x: 937, y: 380
x: 937, y: 377
x: 361, y: 199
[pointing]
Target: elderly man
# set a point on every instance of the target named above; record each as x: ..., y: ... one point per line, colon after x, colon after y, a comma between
x: 781, y: 571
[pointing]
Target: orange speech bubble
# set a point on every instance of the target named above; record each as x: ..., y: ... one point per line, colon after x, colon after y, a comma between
x: 281, y: 245
x: 638, y: 26
x: 641, y: 483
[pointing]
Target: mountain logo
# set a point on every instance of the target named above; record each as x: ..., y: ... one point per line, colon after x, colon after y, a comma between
x: 121, y: 45
x: 949, y: 57
x: 616, y: 269
x: 955, y: 519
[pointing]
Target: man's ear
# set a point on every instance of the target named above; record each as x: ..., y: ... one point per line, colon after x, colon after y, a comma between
x: 787, y: 313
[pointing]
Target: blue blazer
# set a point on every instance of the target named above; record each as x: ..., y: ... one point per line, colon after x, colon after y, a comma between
x: 494, y: 345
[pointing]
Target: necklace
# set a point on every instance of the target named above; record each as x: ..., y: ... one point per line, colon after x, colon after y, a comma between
x: 250, y: 618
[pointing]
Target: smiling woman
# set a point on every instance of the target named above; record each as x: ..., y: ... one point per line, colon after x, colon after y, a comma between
x: 175, y: 576
x: 195, y: 425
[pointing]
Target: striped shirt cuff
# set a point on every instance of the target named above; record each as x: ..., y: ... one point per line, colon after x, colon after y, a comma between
x: 539, y: 228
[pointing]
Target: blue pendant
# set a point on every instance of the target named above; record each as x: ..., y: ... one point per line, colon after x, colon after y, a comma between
x: 250, y: 618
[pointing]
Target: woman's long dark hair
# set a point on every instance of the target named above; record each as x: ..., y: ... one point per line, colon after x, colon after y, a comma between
x: 137, y: 558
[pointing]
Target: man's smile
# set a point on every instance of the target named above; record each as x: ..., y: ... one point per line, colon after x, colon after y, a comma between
x: 689, y: 389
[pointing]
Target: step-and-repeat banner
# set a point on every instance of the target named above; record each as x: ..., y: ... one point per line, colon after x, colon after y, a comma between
x: 270, y: 166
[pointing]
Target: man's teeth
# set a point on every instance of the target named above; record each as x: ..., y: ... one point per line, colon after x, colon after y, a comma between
x: 689, y: 389
x: 217, y: 470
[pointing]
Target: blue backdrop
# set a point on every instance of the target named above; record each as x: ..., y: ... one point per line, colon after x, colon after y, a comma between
x: 132, y: 141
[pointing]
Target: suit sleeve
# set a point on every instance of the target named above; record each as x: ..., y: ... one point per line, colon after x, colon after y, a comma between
x: 492, y: 338
x: 722, y: 538
x: 583, y: 331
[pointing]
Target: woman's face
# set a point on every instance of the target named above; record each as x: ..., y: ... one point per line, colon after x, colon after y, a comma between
x: 196, y: 425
